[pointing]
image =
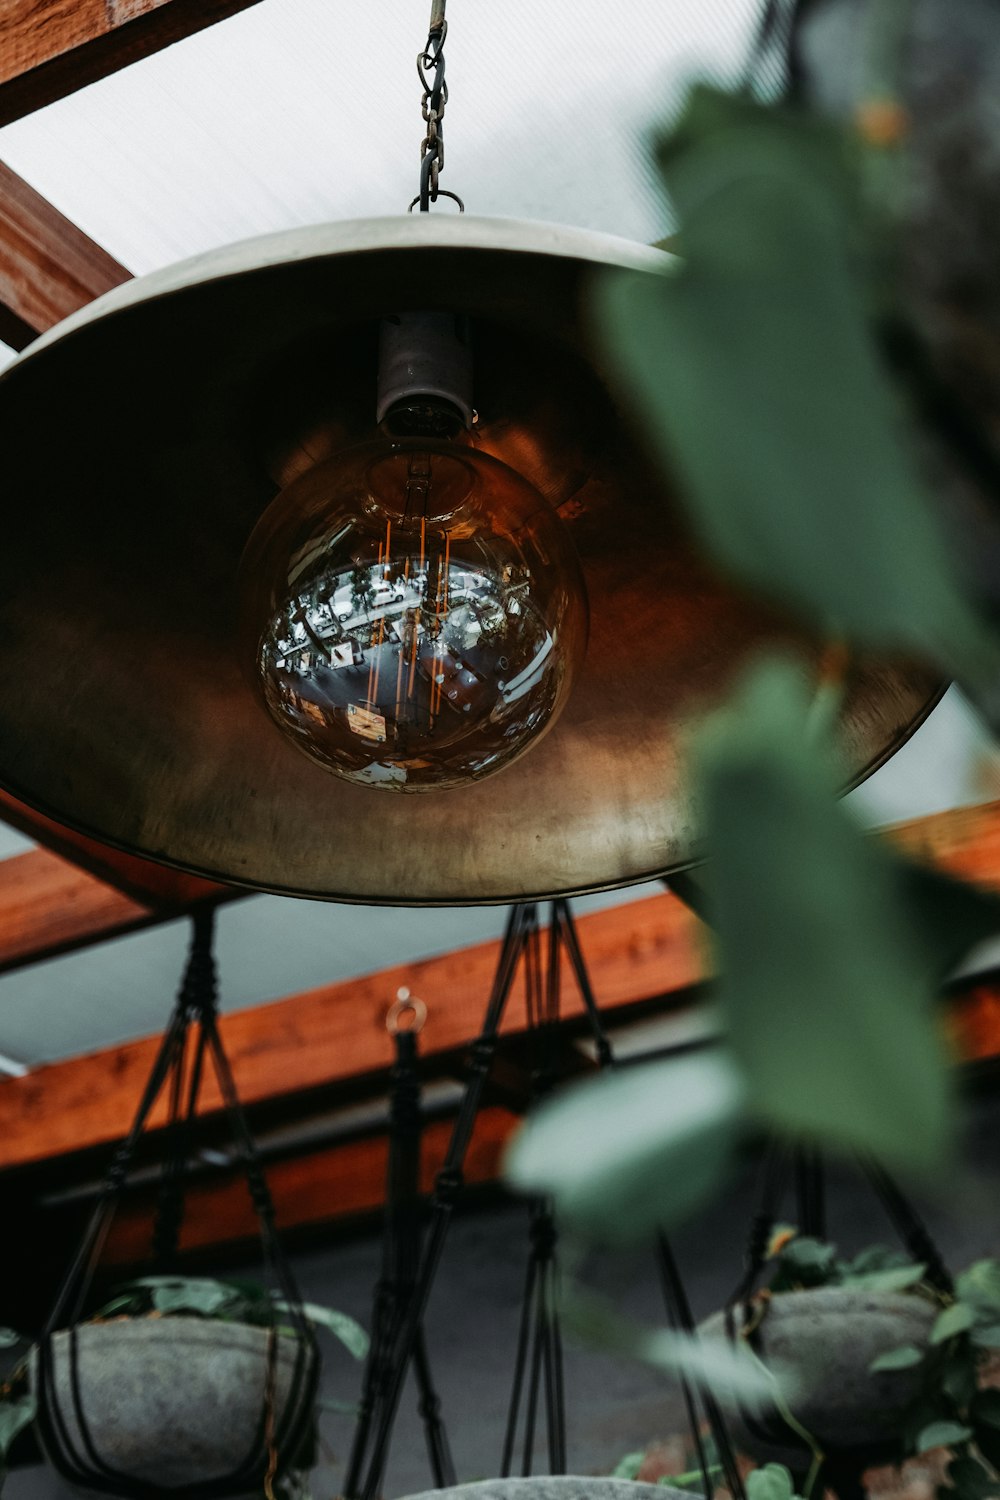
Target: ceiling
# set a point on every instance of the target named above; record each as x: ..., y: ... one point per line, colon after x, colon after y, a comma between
x: 297, y: 111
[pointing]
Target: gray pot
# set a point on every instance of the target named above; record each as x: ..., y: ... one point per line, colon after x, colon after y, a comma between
x: 824, y: 1342
x: 555, y: 1487
x: 167, y: 1401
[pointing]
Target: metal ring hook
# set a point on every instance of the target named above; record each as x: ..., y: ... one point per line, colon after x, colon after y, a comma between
x: 403, y: 1005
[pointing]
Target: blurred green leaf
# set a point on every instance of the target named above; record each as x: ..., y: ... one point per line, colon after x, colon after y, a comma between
x: 629, y: 1466
x: 980, y: 1285
x: 987, y: 1337
x: 198, y: 1294
x: 752, y: 369
x: 347, y: 1329
x: 942, y: 1435
x: 903, y: 1358
x: 9, y: 1337
x: 825, y: 985
x: 731, y: 1371
x: 770, y: 1482
x: 634, y: 1150
x: 958, y: 1318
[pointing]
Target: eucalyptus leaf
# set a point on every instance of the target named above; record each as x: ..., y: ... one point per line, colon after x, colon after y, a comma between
x: 943, y: 1435
x: 754, y: 373
x: 903, y: 1358
x: 633, y: 1150
x: 15, y: 1415
x: 987, y: 1336
x: 9, y: 1337
x: 953, y: 1320
x: 824, y: 985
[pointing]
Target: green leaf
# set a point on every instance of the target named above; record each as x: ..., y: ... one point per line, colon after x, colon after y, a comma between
x: 633, y: 1150
x: 754, y: 373
x: 771, y: 1482
x: 903, y: 1358
x: 824, y: 980
x: 9, y: 1337
x: 629, y: 1466
x: 731, y: 1371
x: 980, y: 1285
x: 958, y: 1318
x: 892, y: 1279
x: 988, y: 1336
x: 341, y: 1325
x: 942, y: 1435
x: 197, y: 1294
x: 14, y: 1417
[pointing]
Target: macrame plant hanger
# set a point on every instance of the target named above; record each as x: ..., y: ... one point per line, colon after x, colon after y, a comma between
x: 191, y: 1045
x: 399, y: 1319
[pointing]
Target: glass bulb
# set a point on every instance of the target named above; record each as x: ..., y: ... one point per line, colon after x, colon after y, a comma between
x: 414, y: 612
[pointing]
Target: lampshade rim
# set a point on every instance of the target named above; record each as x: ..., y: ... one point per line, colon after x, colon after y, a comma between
x: 397, y: 232
x: 337, y: 898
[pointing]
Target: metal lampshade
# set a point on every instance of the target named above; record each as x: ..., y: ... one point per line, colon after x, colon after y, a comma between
x: 143, y: 438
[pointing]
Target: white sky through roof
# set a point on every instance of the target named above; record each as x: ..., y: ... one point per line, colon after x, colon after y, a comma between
x: 298, y: 111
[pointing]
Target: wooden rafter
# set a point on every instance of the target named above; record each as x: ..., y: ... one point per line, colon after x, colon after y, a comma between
x: 50, y: 48
x: 327, y: 1036
x: 48, y: 267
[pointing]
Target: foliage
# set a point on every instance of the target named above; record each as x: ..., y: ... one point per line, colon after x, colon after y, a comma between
x: 950, y: 1410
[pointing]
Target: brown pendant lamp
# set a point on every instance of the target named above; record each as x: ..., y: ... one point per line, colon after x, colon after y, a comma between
x: 394, y: 698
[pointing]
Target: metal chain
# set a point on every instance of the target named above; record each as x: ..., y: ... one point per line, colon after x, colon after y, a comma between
x: 430, y: 71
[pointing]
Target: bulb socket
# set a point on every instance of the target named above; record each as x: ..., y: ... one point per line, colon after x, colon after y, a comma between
x: 425, y: 375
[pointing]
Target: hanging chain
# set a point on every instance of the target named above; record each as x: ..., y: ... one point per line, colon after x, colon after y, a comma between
x: 430, y: 71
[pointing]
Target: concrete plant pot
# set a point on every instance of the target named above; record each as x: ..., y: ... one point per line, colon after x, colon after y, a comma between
x: 555, y: 1487
x: 174, y: 1402
x: 824, y: 1342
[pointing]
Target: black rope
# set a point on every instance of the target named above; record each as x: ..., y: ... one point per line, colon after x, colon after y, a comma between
x: 179, y: 1068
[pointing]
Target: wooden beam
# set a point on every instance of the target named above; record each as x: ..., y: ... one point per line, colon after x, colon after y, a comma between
x: 50, y: 48
x: 48, y: 906
x: 48, y: 267
x: 318, y: 1188
x: 329, y: 1035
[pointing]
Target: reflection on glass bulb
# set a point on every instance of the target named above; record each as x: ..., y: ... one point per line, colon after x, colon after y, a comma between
x: 414, y: 611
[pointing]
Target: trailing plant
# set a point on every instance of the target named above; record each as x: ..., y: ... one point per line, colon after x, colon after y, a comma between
x: 951, y: 1410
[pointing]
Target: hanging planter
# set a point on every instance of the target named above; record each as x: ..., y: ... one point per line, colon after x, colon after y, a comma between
x: 175, y: 1402
x: 179, y: 1385
x: 879, y: 1364
x: 555, y: 1487
x: 823, y: 1341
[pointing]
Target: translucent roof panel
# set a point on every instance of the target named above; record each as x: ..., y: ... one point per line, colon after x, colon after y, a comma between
x: 298, y: 111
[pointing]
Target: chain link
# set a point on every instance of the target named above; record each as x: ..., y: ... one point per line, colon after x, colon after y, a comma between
x: 430, y: 71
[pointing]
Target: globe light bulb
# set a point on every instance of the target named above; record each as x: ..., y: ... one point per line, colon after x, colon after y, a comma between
x: 413, y: 613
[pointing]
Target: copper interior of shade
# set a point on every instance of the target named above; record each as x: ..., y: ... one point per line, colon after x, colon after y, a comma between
x: 144, y: 441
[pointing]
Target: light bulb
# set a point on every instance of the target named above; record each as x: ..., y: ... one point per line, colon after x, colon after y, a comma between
x: 413, y: 613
